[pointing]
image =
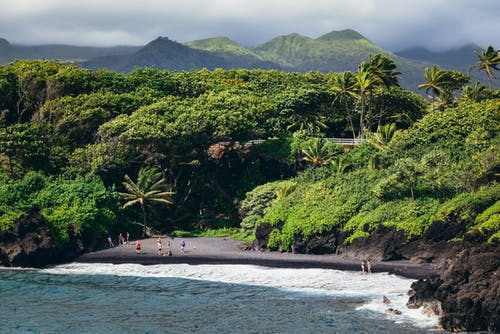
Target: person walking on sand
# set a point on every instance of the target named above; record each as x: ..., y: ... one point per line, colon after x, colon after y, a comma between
x: 121, y: 240
x: 138, y: 248
x: 127, y: 237
x: 160, y: 247
x: 110, y: 242
x: 183, y: 245
x: 366, y: 267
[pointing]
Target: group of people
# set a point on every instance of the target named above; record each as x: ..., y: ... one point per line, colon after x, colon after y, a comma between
x: 121, y: 240
x: 138, y: 246
x: 159, y: 246
x: 366, y: 267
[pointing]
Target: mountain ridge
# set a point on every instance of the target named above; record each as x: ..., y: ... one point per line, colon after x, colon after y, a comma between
x: 334, y: 51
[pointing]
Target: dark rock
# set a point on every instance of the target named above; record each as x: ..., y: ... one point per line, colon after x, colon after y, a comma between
x: 29, y: 243
x: 424, y: 291
x: 325, y: 243
x: 393, y: 311
x: 470, y: 292
x: 385, y: 300
x: 262, y: 233
x: 383, y: 244
x: 440, y: 231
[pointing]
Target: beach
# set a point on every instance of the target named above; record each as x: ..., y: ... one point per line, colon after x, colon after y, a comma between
x: 229, y: 251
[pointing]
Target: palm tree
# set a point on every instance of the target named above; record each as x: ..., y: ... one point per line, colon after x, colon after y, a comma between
x: 489, y: 60
x: 316, y: 153
x: 150, y: 187
x: 435, y: 82
x: 385, y: 133
x: 340, y: 165
x: 344, y: 88
x: 366, y: 83
x: 474, y: 93
x: 385, y: 70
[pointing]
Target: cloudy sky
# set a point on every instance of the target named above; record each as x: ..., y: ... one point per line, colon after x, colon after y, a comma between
x: 392, y: 24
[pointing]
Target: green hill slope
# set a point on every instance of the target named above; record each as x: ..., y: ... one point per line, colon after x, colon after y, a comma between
x: 335, y: 51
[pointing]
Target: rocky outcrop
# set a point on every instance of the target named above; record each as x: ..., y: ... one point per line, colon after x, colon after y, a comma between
x: 470, y: 291
x: 29, y: 244
x: 262, y: 233
x: 465, y: 295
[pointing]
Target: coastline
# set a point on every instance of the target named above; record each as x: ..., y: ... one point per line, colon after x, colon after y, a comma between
x: 227, y: 251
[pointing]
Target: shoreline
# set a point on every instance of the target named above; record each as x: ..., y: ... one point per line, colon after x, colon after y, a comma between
x: 200, y: 251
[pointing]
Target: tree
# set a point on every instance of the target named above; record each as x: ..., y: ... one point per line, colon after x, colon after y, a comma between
x: 489, y: 60
x: 317, y: 153
x: 150, y: 187
x: 344, y: 88
x: 435, y: 82
x: 302, y: 109
x: 385, y: 70
x: 408, y: 172
x: 366, y: 82
x: 385, y: 133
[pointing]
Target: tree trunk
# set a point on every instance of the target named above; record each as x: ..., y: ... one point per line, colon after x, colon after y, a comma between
x: 143, y: 220
x: 350, y: 120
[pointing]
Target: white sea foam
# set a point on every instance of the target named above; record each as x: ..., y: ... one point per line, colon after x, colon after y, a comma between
x: 322, y: 281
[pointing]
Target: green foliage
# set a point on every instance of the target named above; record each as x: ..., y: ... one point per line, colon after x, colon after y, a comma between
x: 488, y: 222
x: 83, y: 205
x: 320, y: 206
x: 465, y: 207
x: 198, y: 128
x: 412, y: 217
x: 256, y: 203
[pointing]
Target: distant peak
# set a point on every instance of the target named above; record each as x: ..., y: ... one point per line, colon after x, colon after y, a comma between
x: 342, y: 35
x: 4, y: 43
x: 213, y: 40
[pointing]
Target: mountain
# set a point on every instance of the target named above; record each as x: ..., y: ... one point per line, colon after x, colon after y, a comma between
x: 163, y: 53
x: 460, y: 59
x: 10, y: 52
x: 221, y: 45
x: 335, y: 51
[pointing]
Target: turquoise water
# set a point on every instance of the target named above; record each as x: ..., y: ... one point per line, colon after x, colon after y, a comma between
x: 61, y: 301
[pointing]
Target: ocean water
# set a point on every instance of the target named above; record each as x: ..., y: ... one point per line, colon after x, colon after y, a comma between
x: 131, y: 298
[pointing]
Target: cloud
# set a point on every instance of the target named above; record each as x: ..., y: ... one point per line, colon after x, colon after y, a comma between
x: 392, y: 24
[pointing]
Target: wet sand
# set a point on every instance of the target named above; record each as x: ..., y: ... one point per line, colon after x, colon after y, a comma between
x: 227, y: 251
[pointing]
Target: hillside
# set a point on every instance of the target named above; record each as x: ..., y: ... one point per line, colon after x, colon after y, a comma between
x: 10, y: 52
x: 459, y: 59
x: 163, y: 53
x: 333, y: 52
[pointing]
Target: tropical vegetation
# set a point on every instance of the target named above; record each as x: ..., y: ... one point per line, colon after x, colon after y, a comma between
x: 230, y: 149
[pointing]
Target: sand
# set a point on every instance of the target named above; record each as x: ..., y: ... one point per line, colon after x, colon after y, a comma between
x: 227, y: 251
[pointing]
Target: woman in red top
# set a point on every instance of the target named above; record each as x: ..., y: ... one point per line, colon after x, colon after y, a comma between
x: 138, y: 247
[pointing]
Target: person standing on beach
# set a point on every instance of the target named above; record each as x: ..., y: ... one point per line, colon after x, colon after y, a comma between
x: 183, y: 245
x: 110, y: 242
x: 366, y: 267
x: 127, y: 236
x: 138, y: 248
x: 160, y: 247
x: 120, y: 239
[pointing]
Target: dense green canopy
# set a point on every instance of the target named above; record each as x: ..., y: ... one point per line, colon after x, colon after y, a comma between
x: 69, y: 136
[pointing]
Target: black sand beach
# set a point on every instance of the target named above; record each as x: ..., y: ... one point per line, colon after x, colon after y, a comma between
x: 226, y: 251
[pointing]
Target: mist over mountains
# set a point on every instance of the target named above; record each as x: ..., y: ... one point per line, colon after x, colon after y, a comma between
x: 335, y: 51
